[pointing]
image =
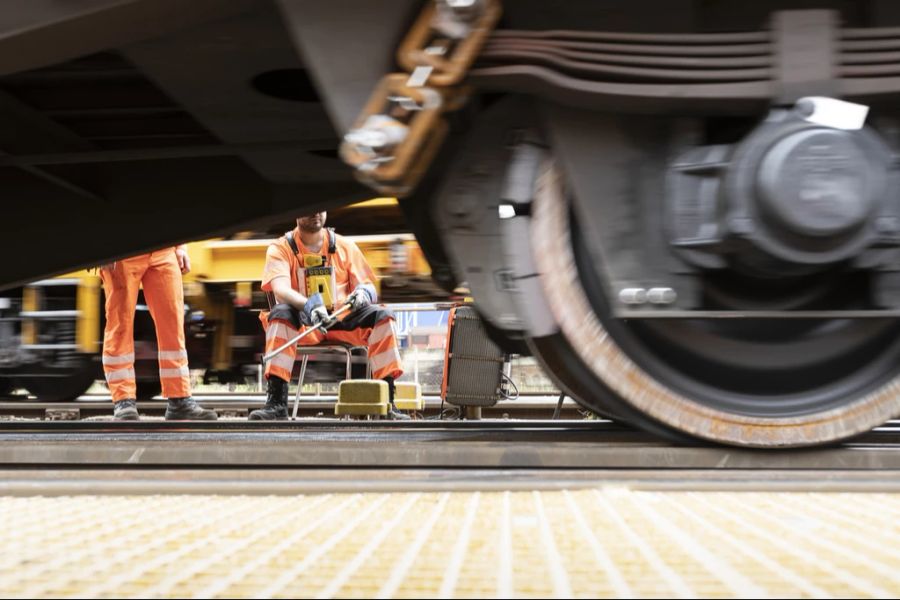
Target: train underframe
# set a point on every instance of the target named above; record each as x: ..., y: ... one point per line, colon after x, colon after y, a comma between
x: 689, y: 211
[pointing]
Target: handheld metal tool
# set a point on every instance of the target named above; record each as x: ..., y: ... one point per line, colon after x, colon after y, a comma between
x: 266, y: 358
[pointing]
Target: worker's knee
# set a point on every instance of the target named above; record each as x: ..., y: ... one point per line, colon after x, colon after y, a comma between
x: 382, y: 313
x: 372, y: 315
x: 286, y: 313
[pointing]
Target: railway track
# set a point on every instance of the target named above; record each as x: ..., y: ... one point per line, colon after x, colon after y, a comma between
x: 386, y: 455
x: 239, y: 405
x: 64, y: 448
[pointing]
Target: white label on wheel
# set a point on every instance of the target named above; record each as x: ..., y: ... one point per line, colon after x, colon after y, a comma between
x: 837, y: 114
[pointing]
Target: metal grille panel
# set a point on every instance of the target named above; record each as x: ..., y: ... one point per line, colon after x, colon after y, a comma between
x: 476, y: 363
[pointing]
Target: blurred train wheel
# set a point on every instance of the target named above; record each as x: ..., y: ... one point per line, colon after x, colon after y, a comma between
x: 760, y: 383
x: 65, y: 388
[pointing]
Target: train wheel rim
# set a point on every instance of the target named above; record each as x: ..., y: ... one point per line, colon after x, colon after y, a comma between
x: 600, y: 351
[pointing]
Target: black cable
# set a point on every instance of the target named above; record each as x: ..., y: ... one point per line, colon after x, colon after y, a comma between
x: 513, y: 384
x: 559, y: 404
x: 451, y: 413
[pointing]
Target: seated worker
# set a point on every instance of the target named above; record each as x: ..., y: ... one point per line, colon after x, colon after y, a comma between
x: 312, y: 271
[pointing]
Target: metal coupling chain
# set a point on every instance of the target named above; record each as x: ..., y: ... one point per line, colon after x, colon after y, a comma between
x: 401, y: 127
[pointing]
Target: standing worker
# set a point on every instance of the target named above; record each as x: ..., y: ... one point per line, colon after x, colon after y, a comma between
x: 160, y: 274
x: 311, y: 271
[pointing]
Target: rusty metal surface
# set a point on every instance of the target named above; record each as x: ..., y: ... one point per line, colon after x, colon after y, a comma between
x: 449, y: 67
x: 611, y: 365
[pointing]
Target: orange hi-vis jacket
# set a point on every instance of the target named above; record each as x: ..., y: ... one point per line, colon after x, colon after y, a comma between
x: 372, y: 326
x: 347, y: 260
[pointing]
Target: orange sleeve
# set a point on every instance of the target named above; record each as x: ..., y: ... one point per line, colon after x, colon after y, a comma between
x: 278, y: 264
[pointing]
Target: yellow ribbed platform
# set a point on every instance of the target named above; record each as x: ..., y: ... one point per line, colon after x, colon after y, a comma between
x: 408, y: 396
x: 586, y: 543
x: 362, y: 397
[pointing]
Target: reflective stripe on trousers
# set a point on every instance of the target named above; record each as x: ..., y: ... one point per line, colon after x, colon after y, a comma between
x: 160, y: 276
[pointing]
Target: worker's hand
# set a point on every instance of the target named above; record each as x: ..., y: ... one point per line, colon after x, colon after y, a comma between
x: 360, y: 297
x: 108, y: 267
x: 321, y: 317
x: 316, y: 313
x: 184, y: 261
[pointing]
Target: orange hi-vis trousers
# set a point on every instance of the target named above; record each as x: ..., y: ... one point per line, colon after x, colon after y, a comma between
x: 160, y: 276
x: 371, y: 326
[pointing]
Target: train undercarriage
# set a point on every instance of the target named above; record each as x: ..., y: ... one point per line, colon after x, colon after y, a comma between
x: 689, y: 211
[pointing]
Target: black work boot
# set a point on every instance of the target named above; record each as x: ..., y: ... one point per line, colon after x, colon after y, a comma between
x: 393, y: 413
x: 126, y: 410
x: 187, y: 409
x: 276, y: 402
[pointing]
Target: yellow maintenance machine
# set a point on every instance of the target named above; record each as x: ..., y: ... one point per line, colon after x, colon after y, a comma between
x: 51, y: 331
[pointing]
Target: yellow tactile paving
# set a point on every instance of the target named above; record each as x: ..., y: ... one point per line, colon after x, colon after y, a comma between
x: 605, y: 542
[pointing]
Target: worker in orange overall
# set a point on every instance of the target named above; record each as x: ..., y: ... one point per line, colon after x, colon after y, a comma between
x: 160, y: 275
x: 311, y: 271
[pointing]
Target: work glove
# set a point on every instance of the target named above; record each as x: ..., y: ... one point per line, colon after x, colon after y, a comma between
x: 316, y: 313
x: 362, y: 296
